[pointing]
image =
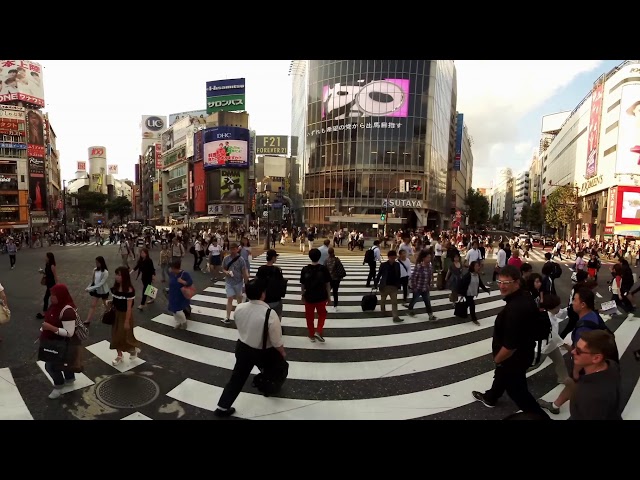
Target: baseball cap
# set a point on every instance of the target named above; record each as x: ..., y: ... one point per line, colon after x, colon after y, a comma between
x: 272, y: 253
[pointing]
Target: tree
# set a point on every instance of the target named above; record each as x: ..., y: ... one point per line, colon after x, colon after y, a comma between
x: 495, y: 220
x: 90, y: 202
x: 119, y: 206
x: 535, y: 215
x: 478, y: 207
x: 561, y: 207
x: 524, y: 215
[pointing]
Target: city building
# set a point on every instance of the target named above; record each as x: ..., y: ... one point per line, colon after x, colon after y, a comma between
x: 52, y: 174
x: 460, y: 173
x: 597, y: 151
x: 502, y: 197
x: 147, y: 204
x: 521, y: 196
x: 535, y: 177
x: 24, y: 150
x: 372, y: 136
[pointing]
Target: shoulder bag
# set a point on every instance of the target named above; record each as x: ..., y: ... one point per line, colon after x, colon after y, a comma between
x: 274, y: 369
x: 188, y: 291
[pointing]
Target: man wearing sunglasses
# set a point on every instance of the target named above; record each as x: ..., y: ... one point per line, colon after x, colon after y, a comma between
x: 513, y: 345
x: 597, y: 392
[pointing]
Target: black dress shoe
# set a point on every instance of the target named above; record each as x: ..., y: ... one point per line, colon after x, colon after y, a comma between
x: 224, y: 413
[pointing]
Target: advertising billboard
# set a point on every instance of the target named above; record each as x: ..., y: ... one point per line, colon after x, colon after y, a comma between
x: 232, y: 185
x: 388, y: 97
x: 153, y: 125
x: 199, y: 116
x: 272, y: 145
x: 37, y: 182
x: 198, y: 146
x: 177, y: 156
x: 593, y: 140
x: 628, y: 151
x: 199, y: 195
x: 82, y: 166
x: 158, y: 155
x: 12, y: 121
x: 628, y: 211
x: 459, y: 134
x: 35, y: 128
x: 112, y: 169
x: 226, y: 95
x: 226, y: 147
x: 21, y: 80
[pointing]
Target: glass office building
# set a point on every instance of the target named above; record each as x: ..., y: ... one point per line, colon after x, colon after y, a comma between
x: 375, y: 129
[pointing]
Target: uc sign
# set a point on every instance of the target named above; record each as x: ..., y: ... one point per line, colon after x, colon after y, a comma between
x: 97, y: 152
x: 154, y: 124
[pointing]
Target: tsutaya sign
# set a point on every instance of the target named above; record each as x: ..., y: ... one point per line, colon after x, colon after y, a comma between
x: 395, y: 202
x: 592, y: 182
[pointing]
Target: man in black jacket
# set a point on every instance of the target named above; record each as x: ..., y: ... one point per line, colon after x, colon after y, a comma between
x: 389, y: 280
x: 513, y: 345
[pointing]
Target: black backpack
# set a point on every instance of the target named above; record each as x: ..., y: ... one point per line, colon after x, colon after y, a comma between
x: 597, y: 326
x: 276, y: 285
x: 369, y: 256
x: 557, y: 270
x: 541, y: 333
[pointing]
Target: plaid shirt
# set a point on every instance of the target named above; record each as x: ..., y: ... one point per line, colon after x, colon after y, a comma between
x: 421, y: 278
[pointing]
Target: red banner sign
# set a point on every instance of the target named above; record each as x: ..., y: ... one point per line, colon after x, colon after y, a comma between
x: 36, y: 151
x: 612, y: 205
x: 158, y: 157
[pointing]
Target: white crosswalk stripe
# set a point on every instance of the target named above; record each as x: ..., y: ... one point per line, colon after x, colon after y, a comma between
x: 369, y: 367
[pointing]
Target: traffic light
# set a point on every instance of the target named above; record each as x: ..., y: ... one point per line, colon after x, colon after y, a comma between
x: 383, y: 216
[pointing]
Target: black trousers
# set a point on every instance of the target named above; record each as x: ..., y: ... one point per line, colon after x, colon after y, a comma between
x: 404, y: 283
x: 246, y: 358
x: 335, y: 286
x: 45, y: 301
x: 513, y: 380
x: 471, y: 305
x: 372, y: 273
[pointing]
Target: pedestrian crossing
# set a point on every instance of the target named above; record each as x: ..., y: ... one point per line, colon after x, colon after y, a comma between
x: 368, y: 368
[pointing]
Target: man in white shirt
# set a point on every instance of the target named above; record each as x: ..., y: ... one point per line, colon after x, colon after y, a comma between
x: 324, y: 251
x: 406, y: 246
x: 373, y: 263
x: 501, y: 262
x: 437, y: 261
x: 405, y: 273
x: 473, y: 255
x: 250, y: 318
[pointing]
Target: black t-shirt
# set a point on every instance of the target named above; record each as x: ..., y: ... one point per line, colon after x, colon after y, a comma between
x: 514, y: 330
x: 315, y: 279
x: 273, y: 276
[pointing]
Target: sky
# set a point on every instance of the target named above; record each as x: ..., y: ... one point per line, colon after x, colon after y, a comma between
x: 101, y: 103
x: 503, y: 103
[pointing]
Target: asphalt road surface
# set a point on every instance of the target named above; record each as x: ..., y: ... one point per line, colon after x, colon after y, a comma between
x: 369, y: 367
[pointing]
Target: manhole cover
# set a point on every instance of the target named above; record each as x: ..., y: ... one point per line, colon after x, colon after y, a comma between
x: 127, y: 391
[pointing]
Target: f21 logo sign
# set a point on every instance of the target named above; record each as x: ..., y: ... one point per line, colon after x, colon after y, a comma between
x: 380, y: 98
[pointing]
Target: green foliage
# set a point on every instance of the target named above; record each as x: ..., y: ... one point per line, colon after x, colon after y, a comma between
x: 477, y: 207
x: 90, y: 202
x: 119, y: 206
x: 535, y: 215
x: 561, y: 206
x: 495, y: 220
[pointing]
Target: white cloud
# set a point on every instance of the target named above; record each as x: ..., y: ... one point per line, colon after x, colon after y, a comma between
x: 495, y: 95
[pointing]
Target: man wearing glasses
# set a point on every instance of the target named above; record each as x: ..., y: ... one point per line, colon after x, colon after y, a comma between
x: 513, y: 346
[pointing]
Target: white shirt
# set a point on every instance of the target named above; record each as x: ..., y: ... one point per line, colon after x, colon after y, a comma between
x: 215, y: 250
x: 197, y: 246
x: 249, y: 319
x: 473, y: 255
x: 502, y: 258
x: 555, y: 341
x: 405, y: 272
x: 407, y: 248
x: 438, y: 249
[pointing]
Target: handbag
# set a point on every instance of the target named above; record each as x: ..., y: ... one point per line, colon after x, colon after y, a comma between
x: 151, y: 291
x: 53, y: 350
x: 460, y: 309
x: 190, y: 291
x: 109, y: 317
x: 5, y: 315
x: 275, y: 368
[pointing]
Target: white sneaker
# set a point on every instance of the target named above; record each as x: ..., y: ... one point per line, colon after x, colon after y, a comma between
x: 56, y: 393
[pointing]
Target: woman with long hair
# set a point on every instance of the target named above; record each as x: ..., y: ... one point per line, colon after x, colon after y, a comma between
x: 60, y: 321
x: 533, y: 285
x: 98, y: 288
x: 122, y: 338
x: 50, y: 279
x: 148, y: 271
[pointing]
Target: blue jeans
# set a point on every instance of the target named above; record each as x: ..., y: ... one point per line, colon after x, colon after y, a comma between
x: 58, y: 376
x: 426, y: 297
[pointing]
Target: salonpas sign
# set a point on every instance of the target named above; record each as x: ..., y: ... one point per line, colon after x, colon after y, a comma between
x: 225, y: 103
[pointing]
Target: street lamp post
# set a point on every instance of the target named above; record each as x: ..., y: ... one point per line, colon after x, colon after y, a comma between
x: 64, y: 206
x: 577, y: 189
